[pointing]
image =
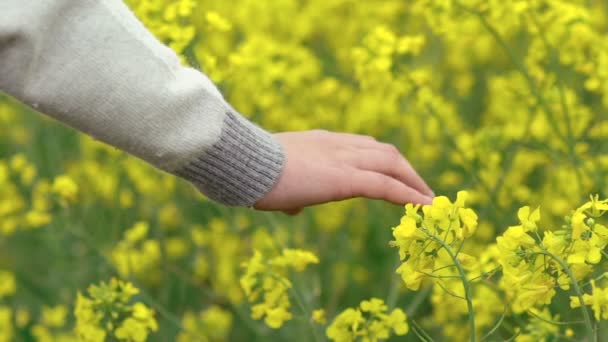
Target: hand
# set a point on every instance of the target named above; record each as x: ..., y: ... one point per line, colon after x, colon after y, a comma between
x: 324, y: 166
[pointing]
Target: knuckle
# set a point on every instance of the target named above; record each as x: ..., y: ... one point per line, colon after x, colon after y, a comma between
x: 393, y: 153
x: 393, y: 150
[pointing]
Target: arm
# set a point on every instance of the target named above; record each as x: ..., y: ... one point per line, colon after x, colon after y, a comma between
x: 92, y: 65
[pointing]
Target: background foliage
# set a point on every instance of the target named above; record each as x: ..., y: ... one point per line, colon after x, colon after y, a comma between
x: 506, y: 99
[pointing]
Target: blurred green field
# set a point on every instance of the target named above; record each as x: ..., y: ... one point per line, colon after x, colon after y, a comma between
x: 506, y: 100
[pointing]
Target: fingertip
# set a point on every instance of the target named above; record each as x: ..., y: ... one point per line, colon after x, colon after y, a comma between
x: 424, y: 187
x: 428, y: 200
x: 416, y: 197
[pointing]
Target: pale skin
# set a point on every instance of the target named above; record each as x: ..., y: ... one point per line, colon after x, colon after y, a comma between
x: 324, y: 166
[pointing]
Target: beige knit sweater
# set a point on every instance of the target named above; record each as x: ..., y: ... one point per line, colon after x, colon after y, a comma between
x: 92, y: 65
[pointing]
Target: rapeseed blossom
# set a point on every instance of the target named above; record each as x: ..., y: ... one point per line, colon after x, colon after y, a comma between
x: 110, y: 303
x: 504, y: 99
x: 51, y: 325
x: 319, y: 316
x: 8, y: 285
x: 212, y: 324
x: 266, y: 279
x: 136, y: 254
x: 597, y: 300
x: 418, y: 236
x: 371, y: 321
x: 6, y: 324
x: 65, y: 188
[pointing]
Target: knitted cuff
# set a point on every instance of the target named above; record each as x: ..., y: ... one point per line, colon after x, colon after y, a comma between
x: 240, y: 168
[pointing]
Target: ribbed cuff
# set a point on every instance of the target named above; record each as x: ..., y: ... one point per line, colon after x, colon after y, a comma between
x: 240, y: 168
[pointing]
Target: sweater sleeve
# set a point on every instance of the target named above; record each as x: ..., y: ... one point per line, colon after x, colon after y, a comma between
x: 93, y: 66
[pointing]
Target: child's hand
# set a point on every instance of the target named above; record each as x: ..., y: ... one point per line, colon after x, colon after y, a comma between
x: 324, y: 166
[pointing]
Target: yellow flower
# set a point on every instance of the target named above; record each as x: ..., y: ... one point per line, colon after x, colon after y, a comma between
x: 6, y: 324
x: 176, y: 247
x: 8, y: 284
x: 265, y: 279
x: 65, y: 187
x: 18, y: 163
x: 138, y: 327
x: 136, y: 254
x: 169, y: 217
x: 598, y: 300
x: 345, y: 326
x: 36, y: 219
x: 275, y: 317
x: 296, y: 258
x: 319, y: 316
x: 529, y: 219
x: 107, y: 312
x: 469, y: 220
x: 218, y: 22
x: 513, y: 238
x: 138, y: 232
x: 369, y: 322
x: 88, y: 320
x: 214, y: 323
x: 22, y: 318
x: 418, y: 237
x: 373, y: 306
x: 54, y: 316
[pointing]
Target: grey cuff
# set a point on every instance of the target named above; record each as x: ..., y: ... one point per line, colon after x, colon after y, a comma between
x: 240, y: 168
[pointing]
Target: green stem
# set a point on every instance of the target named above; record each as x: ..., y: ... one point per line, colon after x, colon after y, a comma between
x: 393, y: 292
x: 570, y: 138
x: 531, y: 313
x: 166, y: 314
x: 420, y: 297
x: 468, y: 295
x: 307, y: 312
x: 577, y: 291
x: 497, y: 325
x: 423, y: 335
x: 520, y: 67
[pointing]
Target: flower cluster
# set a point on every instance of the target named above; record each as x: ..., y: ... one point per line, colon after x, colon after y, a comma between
x: 520, y: 273
x: 369, y: 322
x: 107, y: 312
x: 50, y: 327
x: 65, y: 188
x: 266, y: 284
x: 6, y: 324
x: 212, y: 324
x: 20, y: 186
x: 423, y: 239
x: 136, y: 254
x: 7, y: 288
x: 535, y: 263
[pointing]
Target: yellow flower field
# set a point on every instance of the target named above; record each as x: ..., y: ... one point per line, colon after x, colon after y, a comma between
x: 502, y: 106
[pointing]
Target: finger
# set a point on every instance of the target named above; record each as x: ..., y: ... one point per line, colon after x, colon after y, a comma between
x: 408, y: 172
x: 390, y: 162
x: 379, y: 186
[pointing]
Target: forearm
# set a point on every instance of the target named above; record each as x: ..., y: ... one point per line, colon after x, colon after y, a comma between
x: 92, y: 65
